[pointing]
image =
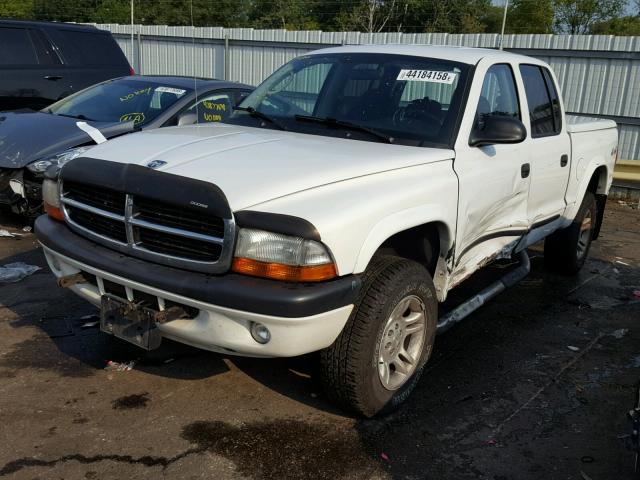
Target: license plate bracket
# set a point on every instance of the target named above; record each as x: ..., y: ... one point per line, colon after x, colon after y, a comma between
x: 130, y: 322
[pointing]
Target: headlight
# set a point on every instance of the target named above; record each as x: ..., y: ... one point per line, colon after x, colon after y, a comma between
x: 51, y: 197
x: 282, y: 257
x: 40, y: 166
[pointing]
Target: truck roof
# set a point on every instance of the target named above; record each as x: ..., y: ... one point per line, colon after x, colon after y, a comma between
x: 457, y: 54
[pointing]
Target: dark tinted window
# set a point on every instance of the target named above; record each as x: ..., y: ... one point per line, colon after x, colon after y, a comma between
x: 16, y: 47
x: 555, y: 101
x: 87, y: 48
x: 540, y: 109
x: 499, y: 94
x: 44, y: 50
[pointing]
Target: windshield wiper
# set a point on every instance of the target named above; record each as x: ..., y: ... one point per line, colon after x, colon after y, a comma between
x: 79, y: 117
x: 262, y: 116
x: 333, y: 122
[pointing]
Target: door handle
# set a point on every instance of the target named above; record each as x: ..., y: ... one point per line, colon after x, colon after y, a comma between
x: 525, y: 169
x: 564, y: 159
x: 52, y: 77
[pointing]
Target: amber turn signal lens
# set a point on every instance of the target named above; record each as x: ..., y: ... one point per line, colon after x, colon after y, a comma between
x: 54, y: 212
x: 287, y: 273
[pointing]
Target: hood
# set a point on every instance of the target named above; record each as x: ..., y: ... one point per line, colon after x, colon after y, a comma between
x: 255, y: 165
x: 29, y: 136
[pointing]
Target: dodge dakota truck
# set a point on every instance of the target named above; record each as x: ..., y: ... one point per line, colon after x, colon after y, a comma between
x: 334, y: 211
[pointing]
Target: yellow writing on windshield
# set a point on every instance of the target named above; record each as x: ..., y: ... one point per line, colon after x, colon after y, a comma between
x: 129, y: 96
x: 212, y: 117
x: 136, y: 117
x: 219, y: 107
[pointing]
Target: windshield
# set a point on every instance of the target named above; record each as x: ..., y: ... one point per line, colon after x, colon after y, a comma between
x: 119, y: 101
x: 396, y: 98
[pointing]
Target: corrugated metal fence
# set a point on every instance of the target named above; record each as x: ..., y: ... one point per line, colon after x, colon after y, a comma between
x: 599, y: 74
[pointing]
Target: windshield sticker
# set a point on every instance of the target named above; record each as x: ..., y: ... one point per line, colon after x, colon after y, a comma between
x: 427, y: 76
x: 175, y: 91
x: 135, y: 117
x: 129, y: 96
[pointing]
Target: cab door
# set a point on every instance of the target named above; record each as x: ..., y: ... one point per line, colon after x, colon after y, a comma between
x: 549, y: 146
x: 493, y: 179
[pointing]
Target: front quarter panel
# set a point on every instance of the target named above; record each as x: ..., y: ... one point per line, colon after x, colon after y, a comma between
x: 355, y: 217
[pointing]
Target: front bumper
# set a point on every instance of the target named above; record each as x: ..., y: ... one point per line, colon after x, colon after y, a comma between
x: 301, y: 318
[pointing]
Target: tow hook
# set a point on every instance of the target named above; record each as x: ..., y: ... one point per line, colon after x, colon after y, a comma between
x: 170, y: 314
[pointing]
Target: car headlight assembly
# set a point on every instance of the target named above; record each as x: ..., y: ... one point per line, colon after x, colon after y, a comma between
x: 41, y: 166
x: 51, y: 194
x: 282, y: 257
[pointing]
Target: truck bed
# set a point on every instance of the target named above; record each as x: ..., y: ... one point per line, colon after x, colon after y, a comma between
x: 577, y: 124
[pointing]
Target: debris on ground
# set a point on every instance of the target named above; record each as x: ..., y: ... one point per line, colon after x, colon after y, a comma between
x: 384, y: 456
x: 27, y: 229
x: 113, y: 366
x: 621, y: 332
x: 7, y: 233
x: 636, y: 294
x: 14, y: 272
x: 572, y: 348
x: 585, y: 476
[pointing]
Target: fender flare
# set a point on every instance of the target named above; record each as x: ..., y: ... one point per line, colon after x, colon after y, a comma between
x: 400, y: 221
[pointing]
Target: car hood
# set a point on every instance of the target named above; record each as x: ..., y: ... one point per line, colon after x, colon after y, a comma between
x: 29, y: 136
x: 255, y: 165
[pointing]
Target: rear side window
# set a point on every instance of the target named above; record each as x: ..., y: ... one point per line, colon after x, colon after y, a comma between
x: 88, y: 48
x: 555, y: 101
x: 499, y: 94
x: 16, y: 47
x: 545, y: 120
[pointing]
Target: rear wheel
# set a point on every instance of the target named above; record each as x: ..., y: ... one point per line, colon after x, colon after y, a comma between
x: 566, y: 250
x: 376, y: 361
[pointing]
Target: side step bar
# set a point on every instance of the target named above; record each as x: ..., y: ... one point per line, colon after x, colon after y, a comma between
x: 475, y: 302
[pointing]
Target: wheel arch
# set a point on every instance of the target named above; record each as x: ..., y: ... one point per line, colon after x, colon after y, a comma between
x: 429, y: 242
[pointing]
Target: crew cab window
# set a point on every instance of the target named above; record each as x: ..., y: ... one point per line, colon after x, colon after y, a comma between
x: 545, y: 119
x: 213, y: 108
x: 555, y: 101
x: 17, y: 48
x: 499, y: 96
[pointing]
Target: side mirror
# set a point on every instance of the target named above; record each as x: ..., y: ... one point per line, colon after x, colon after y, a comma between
x: 187, y: 118
x: 497, y: 129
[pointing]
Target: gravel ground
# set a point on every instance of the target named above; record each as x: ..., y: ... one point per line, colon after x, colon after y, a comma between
x: 534, y: 385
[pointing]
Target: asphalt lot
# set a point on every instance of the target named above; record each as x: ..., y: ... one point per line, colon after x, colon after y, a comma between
x: 504, y: 397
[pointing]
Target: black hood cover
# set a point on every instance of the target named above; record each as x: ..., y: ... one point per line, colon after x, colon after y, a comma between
x: 29, y: 136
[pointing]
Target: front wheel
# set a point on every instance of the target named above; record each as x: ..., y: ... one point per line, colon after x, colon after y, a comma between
x: 566, y: 250
x: 376, y: 361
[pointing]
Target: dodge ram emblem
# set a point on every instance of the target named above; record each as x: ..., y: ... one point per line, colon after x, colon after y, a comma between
x: 156, y: 164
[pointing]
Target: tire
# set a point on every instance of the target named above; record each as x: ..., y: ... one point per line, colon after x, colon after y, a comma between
x: 566, y: 250
x: 395, y: 291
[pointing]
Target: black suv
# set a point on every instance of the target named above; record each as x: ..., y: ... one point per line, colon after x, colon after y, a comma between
x: 42, y: 62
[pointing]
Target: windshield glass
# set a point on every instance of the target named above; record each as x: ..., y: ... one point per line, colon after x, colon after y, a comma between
x: 397, y: 98
x: 119, y: 101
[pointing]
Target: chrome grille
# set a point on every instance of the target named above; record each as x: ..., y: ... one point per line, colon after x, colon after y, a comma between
x: 149, y: 229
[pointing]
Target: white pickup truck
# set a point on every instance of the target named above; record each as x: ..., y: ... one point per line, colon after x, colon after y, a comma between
x: 340, y: 203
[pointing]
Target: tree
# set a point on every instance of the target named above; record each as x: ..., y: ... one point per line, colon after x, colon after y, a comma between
x: 578, y: 16
x: 627, y: 26
x: 17, y: 9
x: 369, y: 15
x: 530, y: 16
